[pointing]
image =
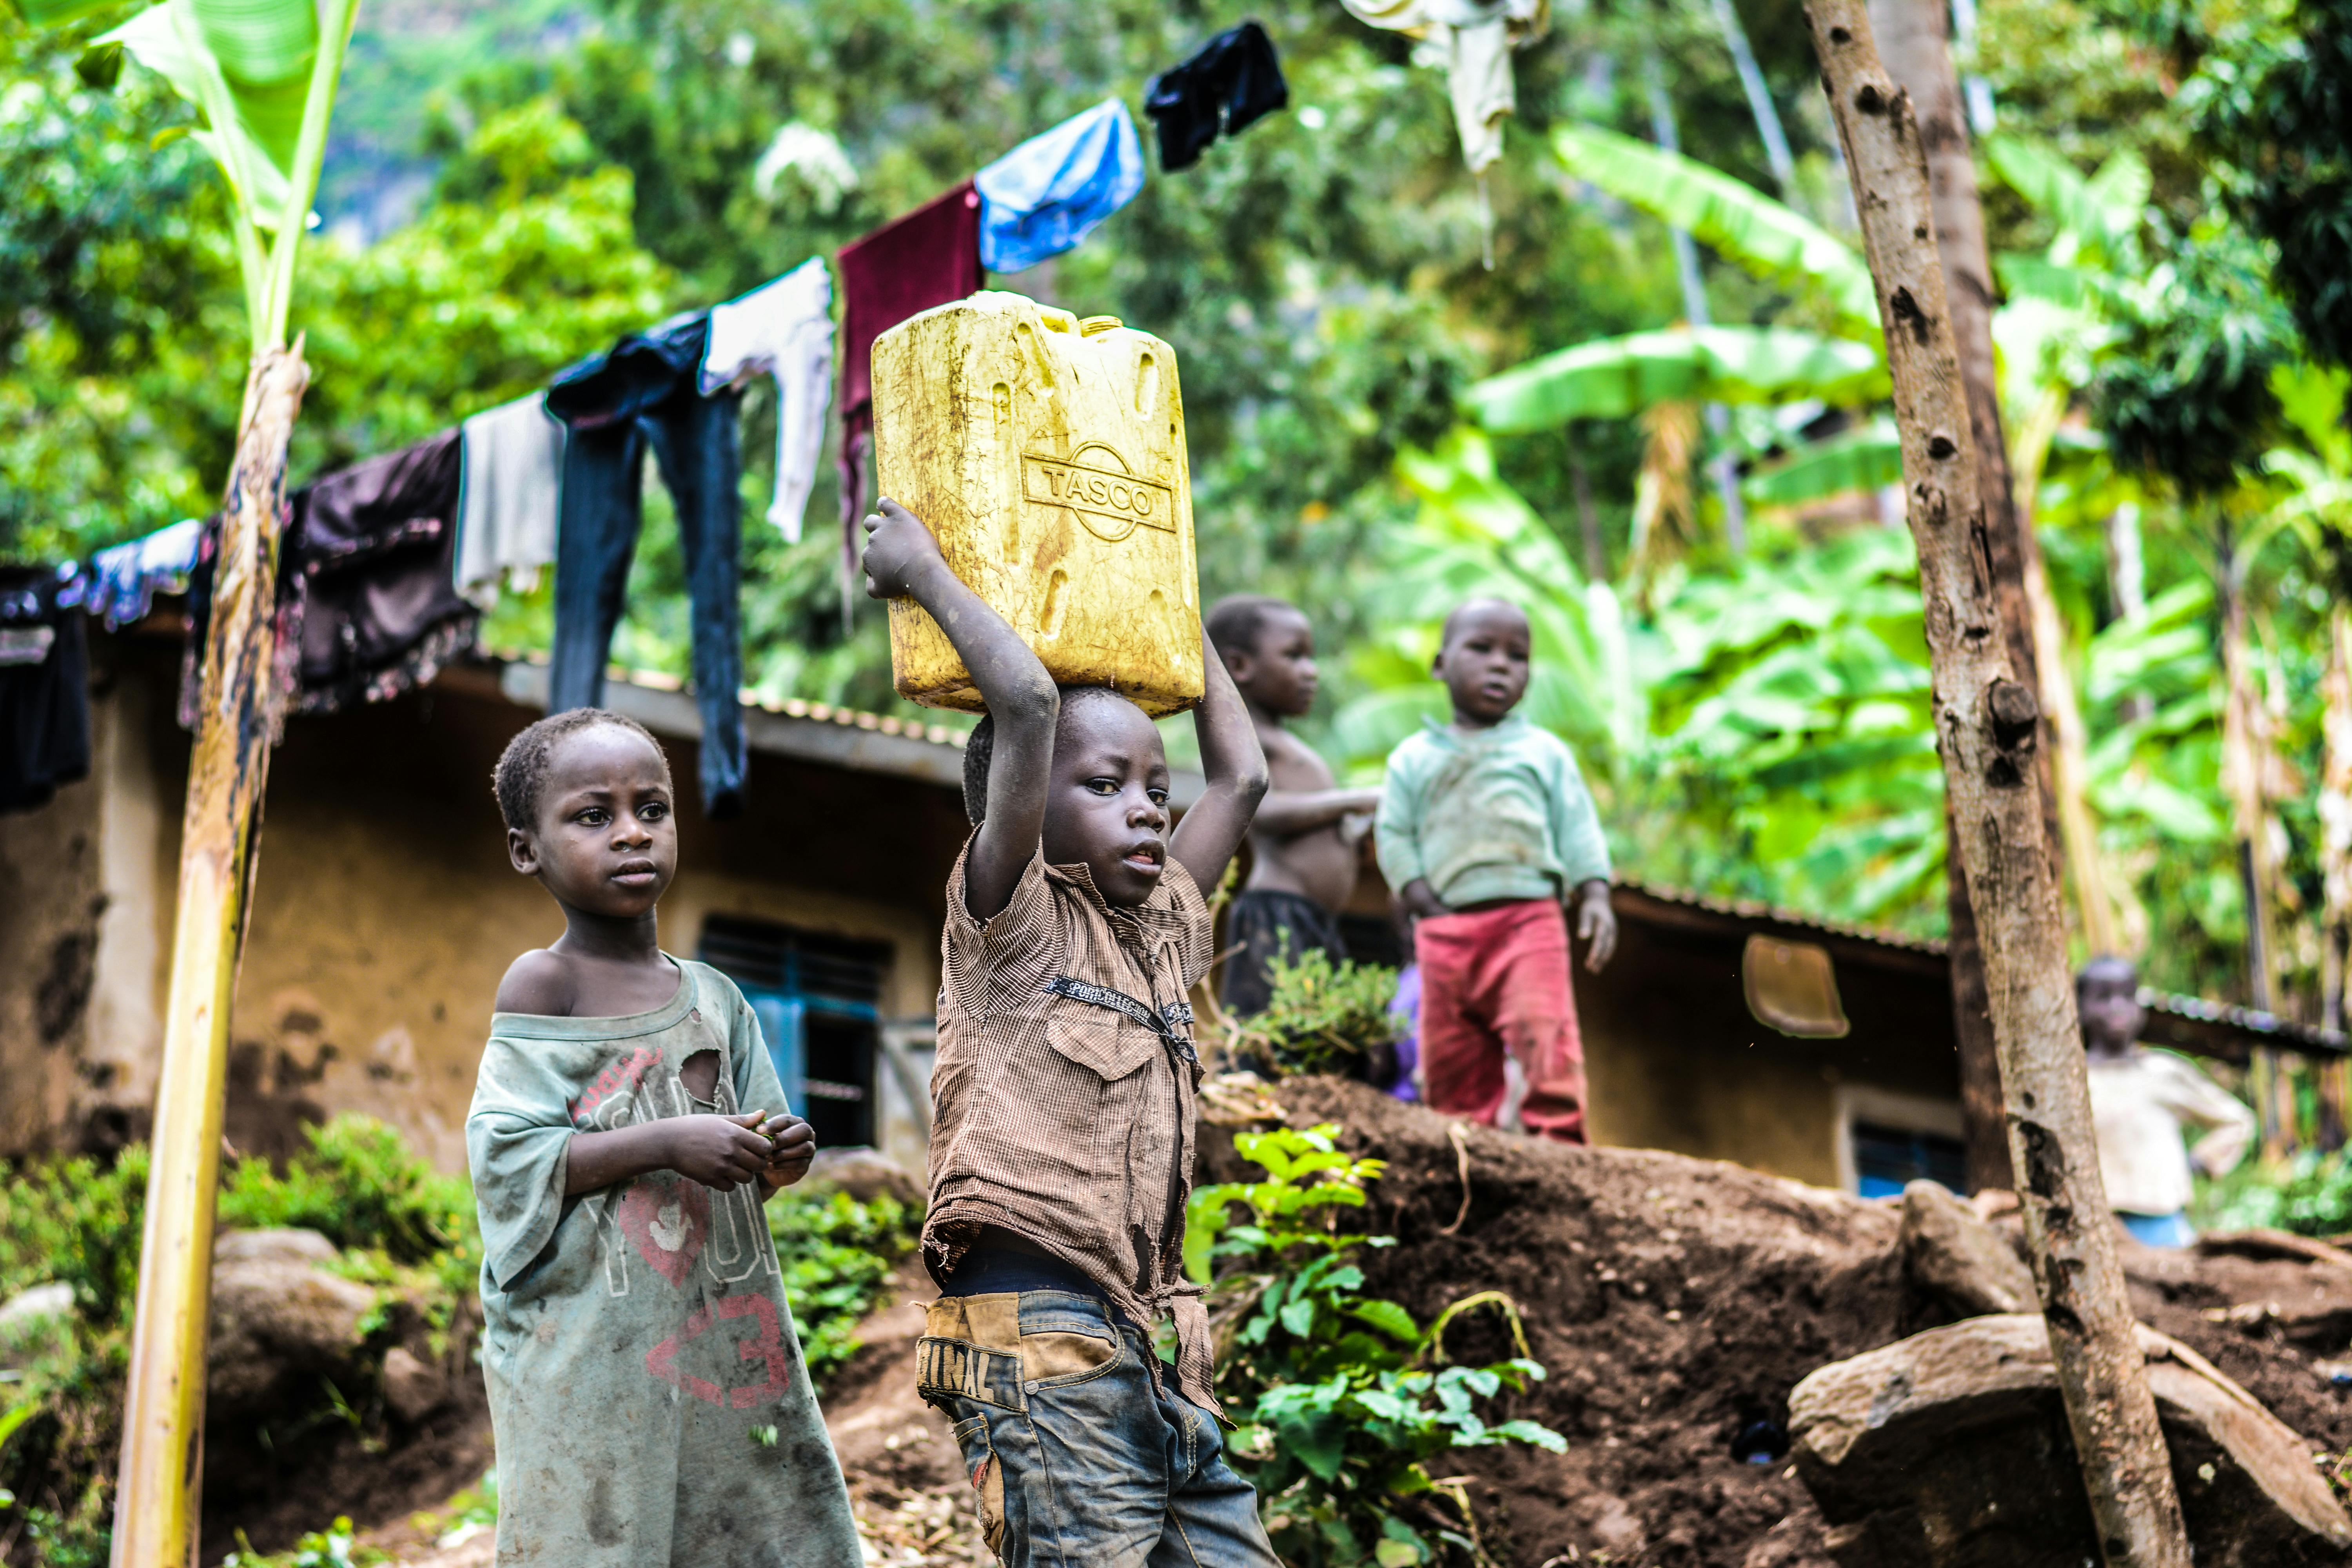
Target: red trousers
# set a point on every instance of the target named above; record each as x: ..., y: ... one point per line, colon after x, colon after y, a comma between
x: 1495, y: 981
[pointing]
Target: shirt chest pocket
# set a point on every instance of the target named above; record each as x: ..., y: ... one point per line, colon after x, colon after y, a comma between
x: 1101, y: 1041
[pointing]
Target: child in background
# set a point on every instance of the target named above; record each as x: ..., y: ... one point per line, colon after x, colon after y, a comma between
x: 647, y: 1388
x: 2140, y: 1101
x: 1485, y: 829
x: 1062, y: 1146
x: 1302, y: 851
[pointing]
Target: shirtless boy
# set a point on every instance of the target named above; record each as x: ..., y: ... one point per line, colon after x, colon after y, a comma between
x: 1303, y: 842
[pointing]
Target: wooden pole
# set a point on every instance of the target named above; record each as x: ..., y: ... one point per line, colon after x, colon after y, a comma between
x: 1912, y: 40
x: 1987, y: 730
x: 157, y: 1517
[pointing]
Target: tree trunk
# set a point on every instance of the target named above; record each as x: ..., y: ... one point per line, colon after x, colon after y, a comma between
x: 156, y: 1503
x: 2243, y: 770
x: 1911, y: 35
x: 1988, y: 727
x: 1983, y: 1126
x: 2336, y: 818
x: 1759, y: 99
x: 1723, y: 468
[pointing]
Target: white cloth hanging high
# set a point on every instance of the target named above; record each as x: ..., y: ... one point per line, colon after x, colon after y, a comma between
x: 783, y: 329
x: 505, y: 501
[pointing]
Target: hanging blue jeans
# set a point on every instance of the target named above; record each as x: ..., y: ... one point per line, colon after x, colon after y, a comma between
x: 642, y: 393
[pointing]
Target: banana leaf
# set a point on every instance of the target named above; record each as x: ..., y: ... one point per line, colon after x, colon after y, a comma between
x: 2103, y: 210
x: 1613, y: 378
x: 246, y: 64
x: 1868, y: 459
x: 1742, y: 223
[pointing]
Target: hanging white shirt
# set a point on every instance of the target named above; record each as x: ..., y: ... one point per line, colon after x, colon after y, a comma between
x: 783, y: 329
x: 2139, y: 1105
x: 1472, y: 40
x: 505, y: 501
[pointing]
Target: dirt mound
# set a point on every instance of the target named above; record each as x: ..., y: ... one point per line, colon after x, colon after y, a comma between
x: 1676, y: 1301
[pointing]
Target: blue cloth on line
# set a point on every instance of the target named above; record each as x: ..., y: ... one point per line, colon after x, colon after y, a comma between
x: 2159, y: 1230
x: 123, y: 582
x: 1049, y: 193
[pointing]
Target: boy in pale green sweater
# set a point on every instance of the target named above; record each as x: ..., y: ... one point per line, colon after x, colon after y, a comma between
x: 1486, y: 830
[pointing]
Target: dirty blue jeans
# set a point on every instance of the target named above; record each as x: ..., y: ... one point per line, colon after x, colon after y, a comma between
x: 1078, y: 1461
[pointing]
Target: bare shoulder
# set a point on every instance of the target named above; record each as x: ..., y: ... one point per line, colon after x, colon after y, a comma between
x: 1293, y: 763
x: 539, y: 982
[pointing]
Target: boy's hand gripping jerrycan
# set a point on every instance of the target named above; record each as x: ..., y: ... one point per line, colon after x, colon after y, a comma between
x: 1047, y: 456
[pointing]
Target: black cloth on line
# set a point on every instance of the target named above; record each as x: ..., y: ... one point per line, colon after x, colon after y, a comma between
x: 644, y: 393
x: 1233, y: 81
x: 366, y: 607
x: 44, y: 689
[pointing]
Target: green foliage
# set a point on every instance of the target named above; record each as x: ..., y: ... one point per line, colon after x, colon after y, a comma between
x: 333, y: 1547
x: 1743, y: 225
x: 2310, y: 1195
x: 402, y: 1226
x: 2274, y: 109
x: 2188, y: 392
x: 1618, y: 377
x: 1322, y: 1017
x: 838, y: 1255
x: 1343, y: 1399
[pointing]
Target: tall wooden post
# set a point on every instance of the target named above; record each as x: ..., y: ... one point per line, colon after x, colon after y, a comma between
x: 157, y: 1517
x: 1987, y: 730
x: 1912, y: 41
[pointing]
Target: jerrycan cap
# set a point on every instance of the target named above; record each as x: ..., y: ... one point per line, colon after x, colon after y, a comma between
x: 1091, y: 325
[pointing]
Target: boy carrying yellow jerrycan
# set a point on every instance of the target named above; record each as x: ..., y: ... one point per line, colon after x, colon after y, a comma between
x: 1046, y: 452
x: 1036, y: 542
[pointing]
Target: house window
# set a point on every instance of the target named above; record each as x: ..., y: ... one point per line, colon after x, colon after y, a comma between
x: 818, y: 1001
x: 1888, y: 1159
x: 1887, y: 1139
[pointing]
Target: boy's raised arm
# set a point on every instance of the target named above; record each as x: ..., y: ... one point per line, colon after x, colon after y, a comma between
x: 903, y: 561
x: 1234, y: 763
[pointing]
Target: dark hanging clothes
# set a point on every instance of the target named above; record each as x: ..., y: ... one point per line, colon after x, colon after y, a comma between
x: 366, y: 605
x: 368, y: 562
x: 930, y: 256
x: 44, y: 688
x: 1230, y: 84
x: 643, y: 393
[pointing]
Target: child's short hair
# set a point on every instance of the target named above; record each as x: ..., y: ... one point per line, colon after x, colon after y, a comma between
x: 980, y: 748
x: 522, y: 771
x: 1235, y: 622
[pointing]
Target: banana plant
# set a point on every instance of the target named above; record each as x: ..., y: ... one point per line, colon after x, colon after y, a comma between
x: 262, y: 73
x: 1744, y: 226
x: 1616, y: 378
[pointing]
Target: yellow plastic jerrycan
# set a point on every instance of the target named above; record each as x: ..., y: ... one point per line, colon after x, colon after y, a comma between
x: 1047, y: 455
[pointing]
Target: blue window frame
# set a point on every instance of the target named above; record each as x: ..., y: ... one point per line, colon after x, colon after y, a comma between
x: 818, y: 1002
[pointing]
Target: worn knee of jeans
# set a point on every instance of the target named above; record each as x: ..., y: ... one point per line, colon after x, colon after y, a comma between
x: 992, y: 1365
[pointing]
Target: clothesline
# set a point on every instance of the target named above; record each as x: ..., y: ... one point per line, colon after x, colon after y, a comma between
x: 387, y: 564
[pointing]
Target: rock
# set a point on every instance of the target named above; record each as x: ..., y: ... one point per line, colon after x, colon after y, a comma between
x: 32, y: 1321
x: 272, y: 1247
x: 1950, y: 1449
x: 42, y: 1303
x: 1956, y: 1258
x: 278, y: 1318
x: 414, y: 1388
x: 865, y: 1174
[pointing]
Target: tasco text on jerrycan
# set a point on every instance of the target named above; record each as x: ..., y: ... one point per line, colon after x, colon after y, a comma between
x: 1047, y: 455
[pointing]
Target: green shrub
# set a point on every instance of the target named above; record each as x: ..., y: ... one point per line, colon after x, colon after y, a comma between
x: 2311, y: 1195
x: 837, y: 1256
x: 1321, y: 1018
x: 403, y: 1226
x: 1341, y: 1398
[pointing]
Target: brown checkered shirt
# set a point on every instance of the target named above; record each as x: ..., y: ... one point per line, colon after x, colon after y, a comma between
x: 1060, y: 1116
